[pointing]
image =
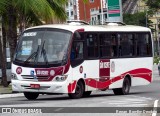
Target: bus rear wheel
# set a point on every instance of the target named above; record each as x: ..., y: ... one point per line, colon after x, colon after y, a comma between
x: 125, y: 88
x: 78, y: 92
x: 31, y: 96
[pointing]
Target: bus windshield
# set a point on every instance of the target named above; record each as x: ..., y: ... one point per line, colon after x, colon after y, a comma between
x: 43, y: 46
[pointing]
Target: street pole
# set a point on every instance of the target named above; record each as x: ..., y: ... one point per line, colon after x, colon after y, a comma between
x: 102, y: 10
x: 157, y: 30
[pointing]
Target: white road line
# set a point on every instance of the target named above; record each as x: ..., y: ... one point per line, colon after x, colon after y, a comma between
x: 142, y: 97
x: 58, y: 109
x: 127, y: 103
x: 155, y: 106
x: 131, y: 100
x: 132, y: 105
x: 11, y: 95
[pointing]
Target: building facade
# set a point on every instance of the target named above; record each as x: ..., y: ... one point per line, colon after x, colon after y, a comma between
x: 89, y: 12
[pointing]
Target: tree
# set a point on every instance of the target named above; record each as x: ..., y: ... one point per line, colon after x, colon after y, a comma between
x: 24, y: 13
x: 137, y: 19
x: 153, y: 4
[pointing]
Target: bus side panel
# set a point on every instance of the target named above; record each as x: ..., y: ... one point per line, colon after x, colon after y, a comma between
x: 89, y: 72
x: 140, y: 70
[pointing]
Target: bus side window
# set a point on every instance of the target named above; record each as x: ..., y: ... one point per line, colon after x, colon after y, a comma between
x: 92, y: 45
x: 143, y: 45
x: 126, y: 45
x: 105, y: 45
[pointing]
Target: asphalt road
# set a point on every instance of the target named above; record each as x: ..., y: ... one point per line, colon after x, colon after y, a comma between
x: 98, y: 103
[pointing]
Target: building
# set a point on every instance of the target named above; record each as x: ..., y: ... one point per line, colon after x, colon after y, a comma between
x: 89, y: 12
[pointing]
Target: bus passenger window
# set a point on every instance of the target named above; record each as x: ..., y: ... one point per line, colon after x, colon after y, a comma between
x: 144, y: 46
x: 126, y: 45
x: 105, y: 45
x: 92, y: 45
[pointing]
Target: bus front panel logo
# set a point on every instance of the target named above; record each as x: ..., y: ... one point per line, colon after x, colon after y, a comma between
x: 19, y: 70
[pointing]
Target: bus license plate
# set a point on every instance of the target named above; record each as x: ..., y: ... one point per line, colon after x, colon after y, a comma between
x: 35, y: 86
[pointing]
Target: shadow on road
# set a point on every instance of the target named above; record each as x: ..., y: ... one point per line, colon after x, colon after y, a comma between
x: 65, y: 96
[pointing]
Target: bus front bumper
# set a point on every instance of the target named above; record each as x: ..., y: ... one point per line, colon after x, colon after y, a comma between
x: 44, y: 87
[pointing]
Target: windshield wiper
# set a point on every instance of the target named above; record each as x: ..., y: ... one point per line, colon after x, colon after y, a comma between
x: 43, y: 51
x: 33, y: 55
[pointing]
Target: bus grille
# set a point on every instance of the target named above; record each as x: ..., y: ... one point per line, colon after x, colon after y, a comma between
x: 30, y: 77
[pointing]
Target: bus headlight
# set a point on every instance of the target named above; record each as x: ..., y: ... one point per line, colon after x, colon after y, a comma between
x: 14, y: 76
x: 61, y: 78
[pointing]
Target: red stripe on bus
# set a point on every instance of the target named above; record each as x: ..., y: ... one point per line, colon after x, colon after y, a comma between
x: 71, y: 87
x: 143, y: 73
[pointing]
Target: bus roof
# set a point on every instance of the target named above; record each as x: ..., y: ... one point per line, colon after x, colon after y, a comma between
x: 99, y: 28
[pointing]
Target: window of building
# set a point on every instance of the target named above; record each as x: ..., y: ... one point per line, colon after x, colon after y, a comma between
x: 91, y: 1
x: 71, y: 13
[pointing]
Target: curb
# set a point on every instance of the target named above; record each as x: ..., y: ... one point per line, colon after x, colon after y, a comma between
x: 11, y: 95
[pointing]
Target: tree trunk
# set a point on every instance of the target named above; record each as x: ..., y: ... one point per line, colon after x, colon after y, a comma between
x: 12, y: 30
x: 3, y: 54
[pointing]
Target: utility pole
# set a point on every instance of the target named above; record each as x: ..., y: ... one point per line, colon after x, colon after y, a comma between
x: 157, y: 30
x: 102, y: 11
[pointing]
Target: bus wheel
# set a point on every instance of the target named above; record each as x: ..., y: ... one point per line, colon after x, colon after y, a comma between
x: 125, y: 88
x: 78, y: 92
x: 31, y: 96
x: 87, y: 93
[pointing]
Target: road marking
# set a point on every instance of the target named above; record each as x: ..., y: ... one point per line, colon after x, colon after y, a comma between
x: 135, y: 101
x: 11, y: 95
x: 58, y: 109
x: 132, y: 105
x: 155, y: 106
x: 126, y: 103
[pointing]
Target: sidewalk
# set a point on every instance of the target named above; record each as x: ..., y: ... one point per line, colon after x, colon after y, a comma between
x: 6, y: 92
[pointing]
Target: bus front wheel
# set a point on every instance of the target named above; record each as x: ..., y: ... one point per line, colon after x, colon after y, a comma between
x: 78, y: 92
x: 87, y: 93
x: 31, y: 96
x: 125, y: 88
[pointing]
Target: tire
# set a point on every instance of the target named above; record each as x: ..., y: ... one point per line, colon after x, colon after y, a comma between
x: 125, y: 88
x: 31, y: 96
x: 78, y: 92
x: 87, y: 93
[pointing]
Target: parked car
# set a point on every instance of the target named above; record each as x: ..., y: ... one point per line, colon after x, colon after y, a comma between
x: 8, y: 66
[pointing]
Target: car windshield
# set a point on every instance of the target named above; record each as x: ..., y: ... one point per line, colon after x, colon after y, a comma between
x: 43, y: 46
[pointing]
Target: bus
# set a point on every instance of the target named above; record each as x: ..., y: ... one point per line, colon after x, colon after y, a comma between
x: 77, y: 58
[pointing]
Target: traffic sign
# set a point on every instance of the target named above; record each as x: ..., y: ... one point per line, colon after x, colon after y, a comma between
x: 114, y: 11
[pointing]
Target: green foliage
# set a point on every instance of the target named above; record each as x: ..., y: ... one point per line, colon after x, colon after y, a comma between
x: 136, y: 19
x: 156, y: 59
x: 153, y: 4
x: 85, y: 1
